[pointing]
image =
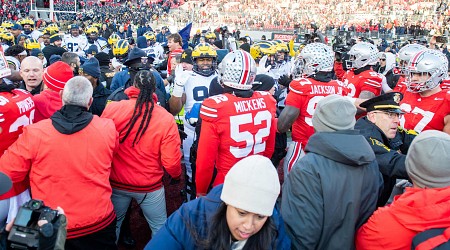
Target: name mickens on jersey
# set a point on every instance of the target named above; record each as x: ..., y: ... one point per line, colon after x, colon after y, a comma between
x: 249, y: 105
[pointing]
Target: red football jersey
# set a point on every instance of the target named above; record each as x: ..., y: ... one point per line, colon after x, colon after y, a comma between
x: 304, y: 95
x: 233, y: 128
x: 16, y: 111
x: 368, y: 80
x: 401, y: 85
x: 425, y: 113
x: 445, y: 84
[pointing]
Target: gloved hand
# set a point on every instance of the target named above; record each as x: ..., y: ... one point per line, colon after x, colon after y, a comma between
x: 284, y: 80
x: 181, y: 78
x: 262, y: 69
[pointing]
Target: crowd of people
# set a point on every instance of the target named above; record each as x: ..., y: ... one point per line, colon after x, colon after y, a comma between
x: 277, y: 146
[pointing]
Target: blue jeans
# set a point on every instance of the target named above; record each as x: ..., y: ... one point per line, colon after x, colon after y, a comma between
x: 153, y: 206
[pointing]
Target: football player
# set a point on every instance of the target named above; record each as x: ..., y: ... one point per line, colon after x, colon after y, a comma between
x: 312, y: 82
x: 29, y: 30
x: 236, y: 124
x: 361, y: 80
x: 93, y: 38
x: 425, y: 104
x: 16, y: 111
x: 154, y: 49
x: 403, y: 57
x: 190, y: 89
x: 74, y: 42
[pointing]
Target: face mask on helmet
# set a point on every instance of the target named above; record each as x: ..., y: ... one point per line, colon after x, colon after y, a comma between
x: 205, y: 66
x: 92, y: 37
x: 27, y: 31
x: 424, y: 72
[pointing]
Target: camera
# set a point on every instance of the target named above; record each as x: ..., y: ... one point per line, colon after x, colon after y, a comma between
x: 25, y: 230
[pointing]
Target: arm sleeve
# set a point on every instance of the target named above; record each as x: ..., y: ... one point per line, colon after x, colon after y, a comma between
x: 16, y: 161
x: 302, y: 200
x: 390, y: 162
x: 206, y: 156
x: 170, y: 150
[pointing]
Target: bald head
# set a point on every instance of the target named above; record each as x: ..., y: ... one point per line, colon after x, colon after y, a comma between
x: 31, y: 70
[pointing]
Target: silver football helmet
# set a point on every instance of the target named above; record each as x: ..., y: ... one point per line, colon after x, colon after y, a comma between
x: 425, y: 71
x: 361, y: 55
x: 237, y: 70
x: 313, y: 58
x: 404, y: 55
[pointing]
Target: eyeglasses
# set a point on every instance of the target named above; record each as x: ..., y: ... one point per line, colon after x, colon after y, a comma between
x: 391, y: 115
x: 382, y: 59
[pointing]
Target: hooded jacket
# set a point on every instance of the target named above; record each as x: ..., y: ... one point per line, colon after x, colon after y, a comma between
x: 394, y: 226
x: 331, y: 191
x: 68, y: 160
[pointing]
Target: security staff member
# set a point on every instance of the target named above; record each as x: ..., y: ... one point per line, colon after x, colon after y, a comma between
x: 390, y: 142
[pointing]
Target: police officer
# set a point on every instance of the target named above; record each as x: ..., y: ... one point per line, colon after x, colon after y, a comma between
x: 390, y: 142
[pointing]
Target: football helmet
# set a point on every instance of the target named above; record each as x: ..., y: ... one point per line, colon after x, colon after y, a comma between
x: 314, y: 57
x: 204, y: 50
x: 31, y: 43
x: 404, y: 55
x: 8, y: 39
x: 92, y: 33
x: 255, y: 52
x: 120, y: 49
x: 444, y: 60
x: 7, y: 24
x: 113, y: 38
x: 150, y: 36
x: 237, y: 70
x: 210, y: 37
x: 361, y: 55
x: 424, y: 71
x: 282, y: 52
x: 52, y: 29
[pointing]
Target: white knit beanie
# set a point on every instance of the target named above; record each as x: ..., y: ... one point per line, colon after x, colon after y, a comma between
x: 252, y: 185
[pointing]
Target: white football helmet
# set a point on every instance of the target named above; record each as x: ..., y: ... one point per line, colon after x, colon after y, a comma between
x: 313, y: 58
x: 361, y: 55
x: 237, y: 70
x: 425, y: 71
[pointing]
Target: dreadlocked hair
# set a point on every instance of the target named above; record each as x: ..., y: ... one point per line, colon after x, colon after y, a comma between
x: 146, y: 83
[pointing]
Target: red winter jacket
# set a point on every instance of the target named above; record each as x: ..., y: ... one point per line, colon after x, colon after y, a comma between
x: 141, y: 168
x: 46, y: 103
x: 71, y: 171
x: 394, y: 226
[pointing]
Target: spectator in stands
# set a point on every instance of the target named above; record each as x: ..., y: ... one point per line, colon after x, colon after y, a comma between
x: 82, y: 186
x: 240, y: 214
x: 425, y: 205
x: 333, y: 189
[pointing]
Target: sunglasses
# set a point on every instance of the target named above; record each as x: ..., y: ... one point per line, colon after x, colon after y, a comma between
x: 382, y: 59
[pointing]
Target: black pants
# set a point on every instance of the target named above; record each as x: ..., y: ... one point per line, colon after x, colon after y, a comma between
x: 104, y: 239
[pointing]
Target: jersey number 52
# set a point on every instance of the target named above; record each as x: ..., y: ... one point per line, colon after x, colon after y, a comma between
x: 254, y: 142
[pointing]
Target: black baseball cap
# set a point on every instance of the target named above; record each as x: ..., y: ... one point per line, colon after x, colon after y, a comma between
x: 389, y: 102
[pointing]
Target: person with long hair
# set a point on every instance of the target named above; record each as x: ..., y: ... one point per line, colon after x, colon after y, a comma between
x: 239, y: 214
x: 149, y: 143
